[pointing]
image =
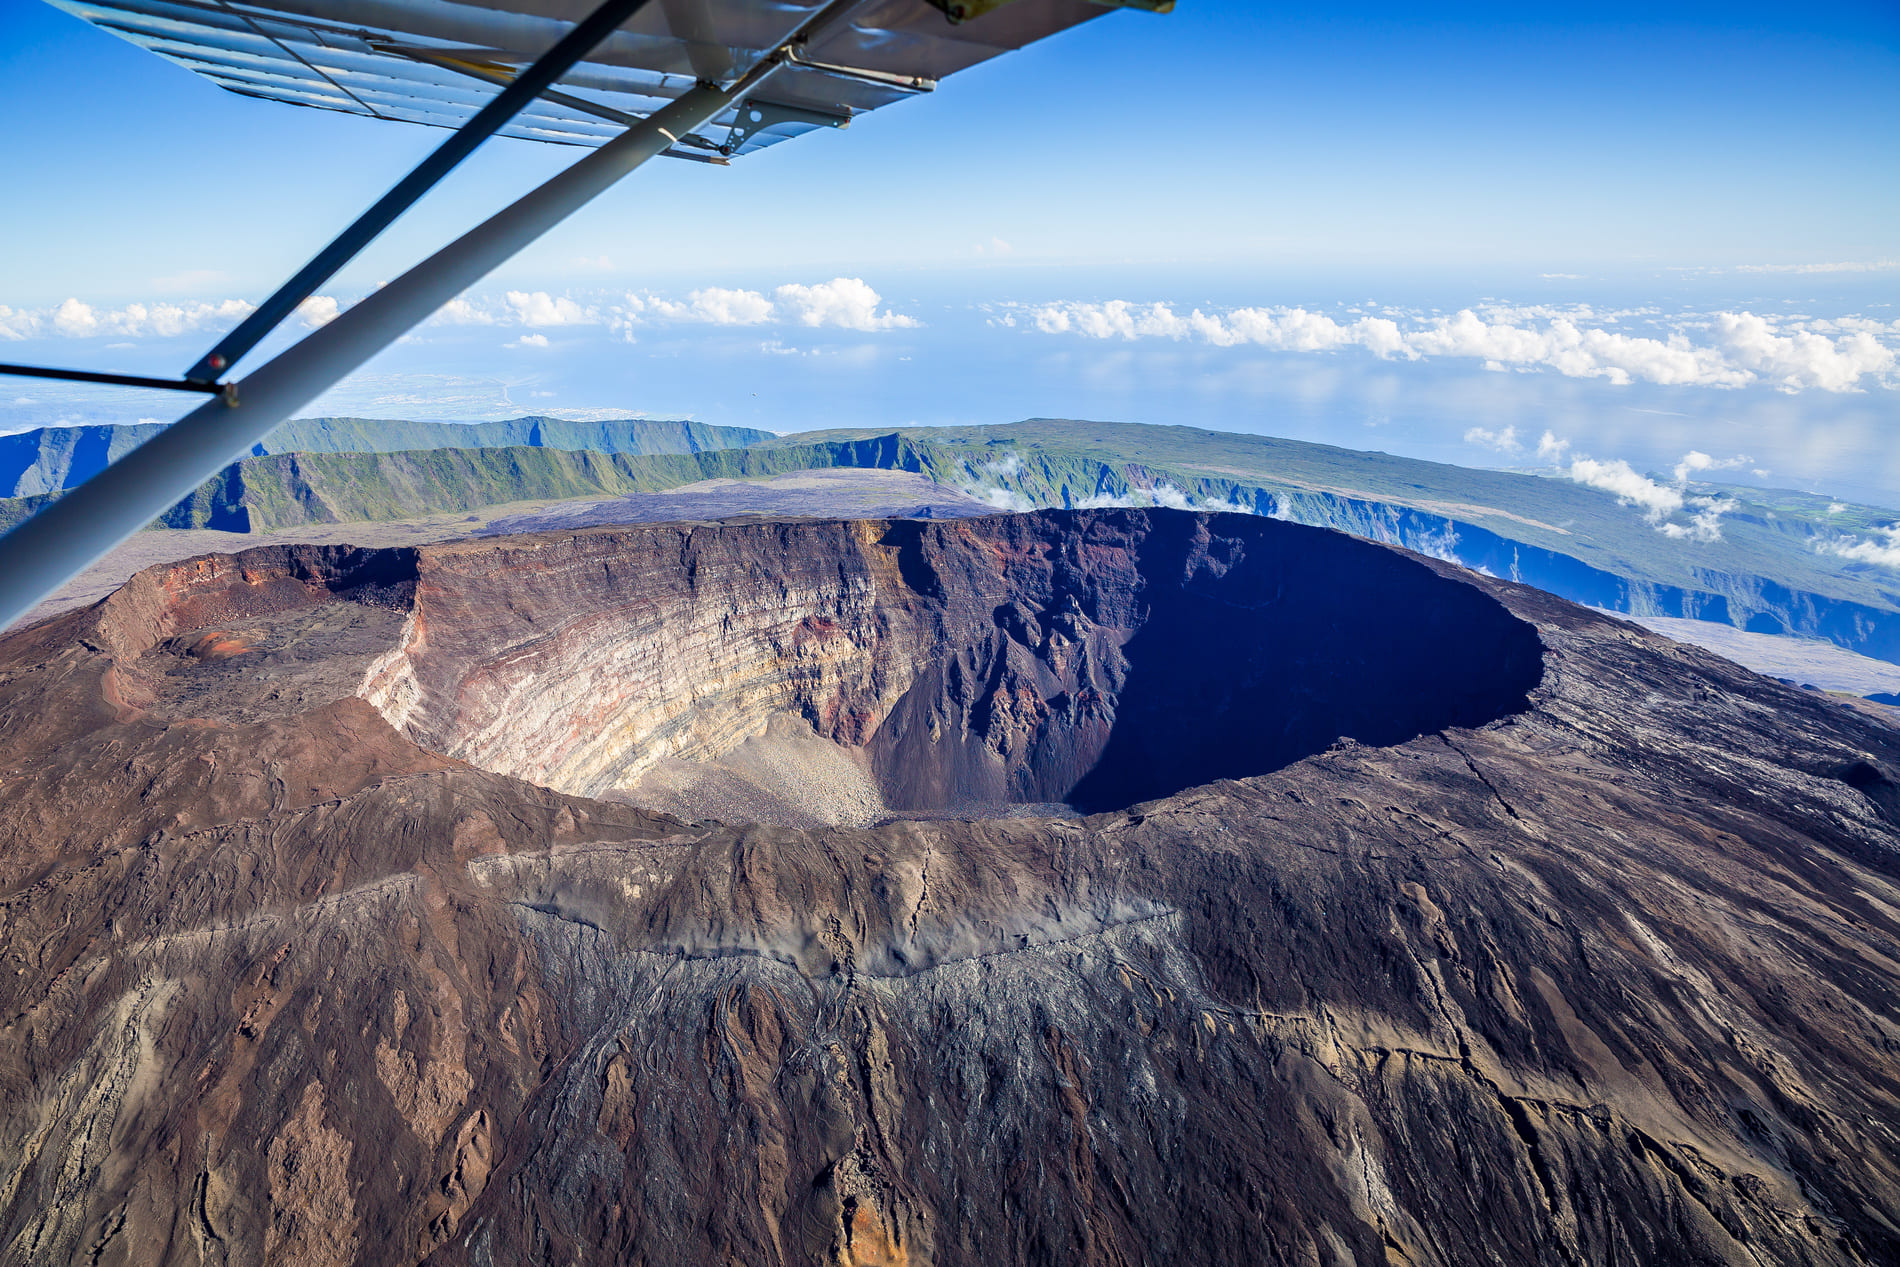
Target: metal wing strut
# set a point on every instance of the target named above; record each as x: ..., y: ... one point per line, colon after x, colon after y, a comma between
x: 678, y: 78
x: 74, y: 531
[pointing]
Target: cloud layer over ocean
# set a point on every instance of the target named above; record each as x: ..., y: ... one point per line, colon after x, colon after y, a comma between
x: 1718, y: 349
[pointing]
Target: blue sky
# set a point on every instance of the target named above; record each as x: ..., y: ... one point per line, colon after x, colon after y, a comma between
x: 1673, y: 227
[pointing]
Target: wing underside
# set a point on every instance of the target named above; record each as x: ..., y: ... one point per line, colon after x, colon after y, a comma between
x: 437, y: 62
x: 706, y: 79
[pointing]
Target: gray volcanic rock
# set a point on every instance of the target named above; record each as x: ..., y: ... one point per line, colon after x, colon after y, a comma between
x: 1424, y: 918
x: 843, y: 493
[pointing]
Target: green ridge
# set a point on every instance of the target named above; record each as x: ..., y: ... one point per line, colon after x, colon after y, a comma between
x: 1771, y: 534
x: 1767, y: 572
x: 276, y: 491
x: 48, y: 459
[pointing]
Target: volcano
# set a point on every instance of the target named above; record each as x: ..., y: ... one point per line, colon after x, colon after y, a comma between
x: 1089, y: 887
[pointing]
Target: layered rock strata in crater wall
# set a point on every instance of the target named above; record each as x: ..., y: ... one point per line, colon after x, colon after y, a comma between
x: 1089, y: 656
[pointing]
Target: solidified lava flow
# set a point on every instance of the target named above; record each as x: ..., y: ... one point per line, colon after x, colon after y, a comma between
x: 1080, y: 887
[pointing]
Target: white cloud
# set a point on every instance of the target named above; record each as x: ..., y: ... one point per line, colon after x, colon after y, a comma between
x: 1574, y: 341
x: 980, y: 484
x: 1280, y: 329
x: 318, y: 310
x: 1117, y: 319
x: 1835, y: 508
x: 1001, y: 498
x: 1862, y: 550
x: 844, y: 301
x: 1504, y: 441
x: 1862, y: 266
x: 529, y: 341
x: 1160, y: 495
x: 1163, y: 494
x: 1802, y: 358
x: 1657, y: 501
x: 76, y: 319
x: 1694, y: 462
x: 718, y: 306
x: 538, y: 308
x: 1573, y: 350
x: 462, y: 312
x: 1704, y: 522
x: 1550, y: 448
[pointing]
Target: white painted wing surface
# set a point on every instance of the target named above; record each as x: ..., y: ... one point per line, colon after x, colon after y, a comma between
x: 438, y: 61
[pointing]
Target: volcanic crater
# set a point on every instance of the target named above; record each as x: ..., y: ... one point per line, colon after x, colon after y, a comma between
x: 807, y: 673
x: 1080, y: 887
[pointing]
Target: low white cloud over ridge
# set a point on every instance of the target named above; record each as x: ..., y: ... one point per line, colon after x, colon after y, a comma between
x: 1656, y: 501
x: 1736, y: 349
x: 1659, y: 502
x: 1883, y: 549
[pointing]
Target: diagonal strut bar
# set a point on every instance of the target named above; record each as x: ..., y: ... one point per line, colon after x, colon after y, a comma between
x: 116, y: 380
x: 494, y: 116
x: 79, y: 528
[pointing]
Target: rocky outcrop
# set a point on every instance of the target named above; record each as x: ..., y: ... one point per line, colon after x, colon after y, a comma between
x: 1599, y: 970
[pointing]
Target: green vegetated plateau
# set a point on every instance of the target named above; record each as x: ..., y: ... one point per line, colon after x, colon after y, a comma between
x: 47, y: 459
x: 1766, y: 572
x: 285, y: 490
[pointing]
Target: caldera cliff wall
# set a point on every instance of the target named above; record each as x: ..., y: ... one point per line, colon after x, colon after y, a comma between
x: 1089, y: 655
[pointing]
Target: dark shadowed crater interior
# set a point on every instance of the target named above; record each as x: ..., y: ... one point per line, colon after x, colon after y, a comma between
x: 1269, y: 647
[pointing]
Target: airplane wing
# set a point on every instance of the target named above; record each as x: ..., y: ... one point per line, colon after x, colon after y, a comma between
x: 438, y: 62
x: 631, y: 79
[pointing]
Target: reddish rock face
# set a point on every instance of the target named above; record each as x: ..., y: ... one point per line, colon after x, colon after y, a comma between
x: 981, y: 663
x: 1424, y: 918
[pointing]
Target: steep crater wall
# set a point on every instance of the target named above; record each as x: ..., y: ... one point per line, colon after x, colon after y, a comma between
x: 1094, y: 658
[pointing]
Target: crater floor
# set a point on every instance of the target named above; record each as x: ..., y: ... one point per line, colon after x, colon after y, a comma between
x: 1080, y: 887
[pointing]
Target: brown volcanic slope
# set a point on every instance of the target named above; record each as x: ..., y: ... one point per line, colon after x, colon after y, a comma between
x: 1584, y: 949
